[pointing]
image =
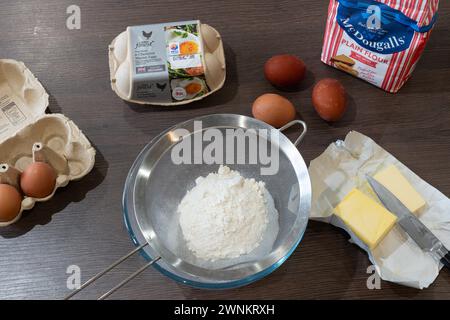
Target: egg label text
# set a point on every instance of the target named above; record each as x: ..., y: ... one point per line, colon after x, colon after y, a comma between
x: 166, y: 59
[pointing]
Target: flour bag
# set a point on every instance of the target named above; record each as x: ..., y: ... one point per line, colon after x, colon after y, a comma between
x: 378, y: 41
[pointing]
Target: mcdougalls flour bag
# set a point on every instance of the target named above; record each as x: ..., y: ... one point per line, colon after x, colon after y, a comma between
x: 378, y: 41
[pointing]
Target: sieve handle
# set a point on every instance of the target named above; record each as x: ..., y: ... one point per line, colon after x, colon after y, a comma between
x: 128, y: 279
x: 294, y: 122
x: 112, y: 266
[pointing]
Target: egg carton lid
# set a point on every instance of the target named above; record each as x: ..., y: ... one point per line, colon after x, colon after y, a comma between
x: 23, y: 99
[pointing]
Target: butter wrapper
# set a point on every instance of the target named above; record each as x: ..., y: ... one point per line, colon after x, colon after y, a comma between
x: 342, y: 167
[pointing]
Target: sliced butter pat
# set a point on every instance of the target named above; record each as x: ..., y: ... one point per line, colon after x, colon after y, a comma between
x: 396, y: 183
x: 369, y: 220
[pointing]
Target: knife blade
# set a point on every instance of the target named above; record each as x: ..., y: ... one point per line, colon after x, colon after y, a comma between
x: 424, y: 238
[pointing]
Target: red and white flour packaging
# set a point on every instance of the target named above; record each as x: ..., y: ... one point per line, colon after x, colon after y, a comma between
x: 379, y: 41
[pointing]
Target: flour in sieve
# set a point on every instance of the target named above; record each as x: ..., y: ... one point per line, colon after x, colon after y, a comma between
x: 224, y: 216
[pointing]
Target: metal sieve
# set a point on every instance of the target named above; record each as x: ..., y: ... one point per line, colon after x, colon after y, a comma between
x: 155, y: 185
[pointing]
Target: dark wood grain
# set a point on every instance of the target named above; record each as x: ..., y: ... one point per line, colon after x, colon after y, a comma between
x: 83, y: 224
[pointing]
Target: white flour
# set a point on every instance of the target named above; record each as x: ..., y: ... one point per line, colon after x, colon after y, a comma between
x: 224, y: 216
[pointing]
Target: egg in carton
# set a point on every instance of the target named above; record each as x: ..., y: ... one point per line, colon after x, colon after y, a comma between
x: 122, y: 64
x: 29, y: 135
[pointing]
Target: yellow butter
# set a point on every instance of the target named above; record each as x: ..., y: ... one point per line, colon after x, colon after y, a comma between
x: 369, y: 220
x: 396, y: 183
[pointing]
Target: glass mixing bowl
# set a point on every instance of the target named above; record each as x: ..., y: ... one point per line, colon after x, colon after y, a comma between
x: 155, y: 186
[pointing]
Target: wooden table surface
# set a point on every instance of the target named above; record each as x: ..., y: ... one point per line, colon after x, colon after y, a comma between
x: 82, y: 225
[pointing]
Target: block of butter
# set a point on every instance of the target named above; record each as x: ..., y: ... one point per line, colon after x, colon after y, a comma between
x: 396, y: 183
x: 369, y: 220
x: 344, y: 166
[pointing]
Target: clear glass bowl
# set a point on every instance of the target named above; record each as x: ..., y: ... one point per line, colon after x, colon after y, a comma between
x: 155, y: 186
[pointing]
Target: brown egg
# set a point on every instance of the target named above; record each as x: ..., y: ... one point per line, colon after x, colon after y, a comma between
x: 38, y: 180
x: 329, y: 99
x: 284, y: 71
x: 10, y: 202
x: 273, y: 109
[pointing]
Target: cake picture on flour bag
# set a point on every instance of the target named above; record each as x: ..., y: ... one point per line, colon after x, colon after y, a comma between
x: 378, y: 41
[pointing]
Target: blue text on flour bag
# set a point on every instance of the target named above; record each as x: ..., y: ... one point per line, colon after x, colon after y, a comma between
x: 377, y: 42
x: 383, y: 33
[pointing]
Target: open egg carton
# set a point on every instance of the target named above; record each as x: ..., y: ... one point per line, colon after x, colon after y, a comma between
x: 29, y: 135
x: 213, y: 60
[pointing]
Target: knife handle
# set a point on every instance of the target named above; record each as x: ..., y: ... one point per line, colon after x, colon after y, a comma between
x: 446, y: 260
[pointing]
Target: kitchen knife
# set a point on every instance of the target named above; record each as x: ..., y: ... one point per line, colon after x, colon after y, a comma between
x: 424, y: 238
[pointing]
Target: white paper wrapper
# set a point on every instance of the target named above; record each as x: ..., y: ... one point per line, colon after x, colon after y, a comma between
x: 397, y: 258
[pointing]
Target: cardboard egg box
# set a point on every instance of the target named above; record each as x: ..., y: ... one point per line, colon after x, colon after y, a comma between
x: 213, y: 59
x: 28, y: 134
